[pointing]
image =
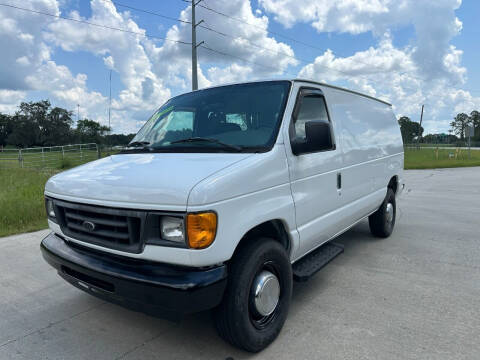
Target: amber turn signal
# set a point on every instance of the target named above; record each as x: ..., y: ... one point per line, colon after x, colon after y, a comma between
x: 201, y: 229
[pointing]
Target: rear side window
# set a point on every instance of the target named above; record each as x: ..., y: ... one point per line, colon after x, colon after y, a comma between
x: 312, y: 108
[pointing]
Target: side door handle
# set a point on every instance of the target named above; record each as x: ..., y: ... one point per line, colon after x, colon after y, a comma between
x: 339, y: 181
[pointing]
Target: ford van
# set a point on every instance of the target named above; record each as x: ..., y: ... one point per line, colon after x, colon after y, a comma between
x: 224, y: 197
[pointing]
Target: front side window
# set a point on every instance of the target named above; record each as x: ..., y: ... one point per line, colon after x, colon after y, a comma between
x: 312, y: 108
x: 243, y: 117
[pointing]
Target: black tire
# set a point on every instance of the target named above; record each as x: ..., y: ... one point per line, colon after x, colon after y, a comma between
x: 381, y: 224
x: 235, y: 317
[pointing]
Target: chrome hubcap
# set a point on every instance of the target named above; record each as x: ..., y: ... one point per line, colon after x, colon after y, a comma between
x: 266, y: 290
x: 389, y: 213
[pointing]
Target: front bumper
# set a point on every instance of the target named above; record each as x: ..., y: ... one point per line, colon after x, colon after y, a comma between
x: 154, y: 288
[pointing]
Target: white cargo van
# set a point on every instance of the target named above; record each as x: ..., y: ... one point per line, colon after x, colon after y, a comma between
x: 223, y: 198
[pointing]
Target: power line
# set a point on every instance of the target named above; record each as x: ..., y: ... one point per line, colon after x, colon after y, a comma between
x: 268, y: 31
x: 144, y: 34
x: 94, y: 24
x: 240, y: 58
x: 280, y: 35
x: 305, y: 61
x: 149, y: 12
x: 294, y: 40
x: 258, y: 27
x: 208, y: 28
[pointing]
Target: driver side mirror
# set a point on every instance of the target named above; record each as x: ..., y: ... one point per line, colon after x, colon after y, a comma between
x: 318, y: 137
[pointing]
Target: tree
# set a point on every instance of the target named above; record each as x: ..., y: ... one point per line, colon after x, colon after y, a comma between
x: 118, y: 139
x: 409, y: 129
x: 6, y: 128
x: 90, y: 131
x: 24, y: 133
x: 475, y: 120
x: 459, y: 124
x: 38, y: 124
x: 56, y: 128
x: 27, y: 123
x: 440, y: 139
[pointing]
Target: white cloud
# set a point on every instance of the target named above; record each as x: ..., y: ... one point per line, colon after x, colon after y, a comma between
x: 109, y: 62
x: 393, y: 75
x: 21, y: 40
x: 123, y: 52
x: 427, y: 71
x: 245, y: 41
x: 28, y: 66
x: 230, y: 74
x: 10, y: 100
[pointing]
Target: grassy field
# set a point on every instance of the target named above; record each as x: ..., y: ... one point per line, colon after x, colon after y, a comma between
x: 441, y: 158
x: 22, y: 206
x: 21, y: 197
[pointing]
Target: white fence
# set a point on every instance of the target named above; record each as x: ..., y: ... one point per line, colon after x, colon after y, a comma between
x: 49, y: 157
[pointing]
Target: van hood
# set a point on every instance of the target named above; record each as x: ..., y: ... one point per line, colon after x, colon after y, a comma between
x: 160, y: 180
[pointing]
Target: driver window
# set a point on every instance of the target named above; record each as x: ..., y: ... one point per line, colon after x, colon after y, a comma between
x: 312, y: 108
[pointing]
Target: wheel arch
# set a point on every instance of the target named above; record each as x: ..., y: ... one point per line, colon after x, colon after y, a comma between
x: 393, y: 184
x: 275, y: 229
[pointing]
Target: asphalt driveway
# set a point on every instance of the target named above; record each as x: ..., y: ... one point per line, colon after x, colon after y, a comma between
x: 415, y: 295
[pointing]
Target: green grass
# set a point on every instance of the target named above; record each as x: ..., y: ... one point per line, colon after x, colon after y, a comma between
x: 21, y: 197
x: 51, y: 160
x: 22, y: 206
x: 427, y: 158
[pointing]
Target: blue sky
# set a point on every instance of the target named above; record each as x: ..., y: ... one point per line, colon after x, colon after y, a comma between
x: 409, y: 53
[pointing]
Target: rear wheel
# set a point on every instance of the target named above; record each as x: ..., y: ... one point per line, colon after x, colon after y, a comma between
x: 383, y: 220
x: 257, y: 298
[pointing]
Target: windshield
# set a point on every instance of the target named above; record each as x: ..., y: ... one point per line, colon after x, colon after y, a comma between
x: 243, y: 117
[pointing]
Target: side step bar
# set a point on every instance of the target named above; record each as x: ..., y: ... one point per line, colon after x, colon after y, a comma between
x: 311, y: 263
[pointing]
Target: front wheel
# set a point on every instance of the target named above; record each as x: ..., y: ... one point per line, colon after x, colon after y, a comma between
x: 382, y: 221
x: 257, y: 298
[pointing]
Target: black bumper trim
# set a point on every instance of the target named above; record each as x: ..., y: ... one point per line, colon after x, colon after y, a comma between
x: 154, y: 288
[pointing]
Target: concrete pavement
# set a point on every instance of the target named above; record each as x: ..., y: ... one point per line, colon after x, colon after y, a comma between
x: 415, y: 295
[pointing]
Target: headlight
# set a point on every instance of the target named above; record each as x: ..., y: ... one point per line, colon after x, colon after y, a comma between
x: 172, y: 229
x: 201, y: 229
x: 49, y: 208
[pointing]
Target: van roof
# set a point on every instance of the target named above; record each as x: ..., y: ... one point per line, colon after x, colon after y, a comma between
x: 302, y: 80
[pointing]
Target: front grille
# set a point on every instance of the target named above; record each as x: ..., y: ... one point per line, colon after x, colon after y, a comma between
x: 118, y: 229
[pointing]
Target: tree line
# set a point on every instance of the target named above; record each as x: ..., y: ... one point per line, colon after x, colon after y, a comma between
x: 411, y: 130
x: 41, y: 124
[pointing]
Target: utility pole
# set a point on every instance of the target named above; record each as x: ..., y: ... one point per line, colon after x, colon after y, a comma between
x: 420, y: 129
x: 78, y: 112
x: 194, y: 46
x: 110, y: 103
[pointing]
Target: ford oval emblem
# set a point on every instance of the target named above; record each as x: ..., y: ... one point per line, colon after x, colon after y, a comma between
x: 88, y: 225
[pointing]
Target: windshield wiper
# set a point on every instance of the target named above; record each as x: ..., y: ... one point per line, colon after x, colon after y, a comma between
x: 137, y: 147
x: 211, y: 140
x: 138, y: 144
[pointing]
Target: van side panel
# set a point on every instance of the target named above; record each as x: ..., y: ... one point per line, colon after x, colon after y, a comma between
x: 372, y: 150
